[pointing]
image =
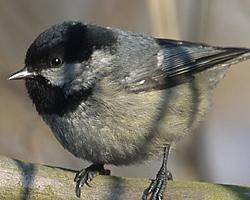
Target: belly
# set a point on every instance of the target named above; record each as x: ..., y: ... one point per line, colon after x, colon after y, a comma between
x: 126, y: 129
x: 114, y: 138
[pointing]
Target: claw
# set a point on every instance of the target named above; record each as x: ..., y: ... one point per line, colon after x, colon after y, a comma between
x: 169, y: 176
x: 85, y: 176
x: 78, y: 191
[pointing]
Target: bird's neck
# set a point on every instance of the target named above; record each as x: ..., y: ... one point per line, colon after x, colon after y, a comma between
x: 50, y: 99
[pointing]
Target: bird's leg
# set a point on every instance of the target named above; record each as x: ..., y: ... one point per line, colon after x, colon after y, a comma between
x: 157, y: 186
x: 86, y: 175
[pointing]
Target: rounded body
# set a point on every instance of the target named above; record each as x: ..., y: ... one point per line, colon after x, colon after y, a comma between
x: 120, y: 128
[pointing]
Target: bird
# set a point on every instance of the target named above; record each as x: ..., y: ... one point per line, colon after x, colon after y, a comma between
x: 119, y: 97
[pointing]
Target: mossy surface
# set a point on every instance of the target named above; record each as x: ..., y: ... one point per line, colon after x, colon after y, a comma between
x: 21, y: 180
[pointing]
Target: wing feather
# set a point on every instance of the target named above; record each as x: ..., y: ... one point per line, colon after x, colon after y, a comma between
x: 177, y: 62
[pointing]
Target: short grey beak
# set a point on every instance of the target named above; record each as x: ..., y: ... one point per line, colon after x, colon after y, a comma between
x: 21, y: 74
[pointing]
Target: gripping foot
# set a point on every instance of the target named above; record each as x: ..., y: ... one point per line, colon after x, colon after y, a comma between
x: 157, y: 186
x: 86, y: 175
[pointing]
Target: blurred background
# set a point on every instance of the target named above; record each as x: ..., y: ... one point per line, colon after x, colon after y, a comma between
x: 218, y: 153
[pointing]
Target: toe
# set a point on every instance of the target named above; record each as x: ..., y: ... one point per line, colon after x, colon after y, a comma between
x: 169, y: 176
x: 78, y: 191
x: 155, y: 189
x: 79, y: 175
x: 145, y: 194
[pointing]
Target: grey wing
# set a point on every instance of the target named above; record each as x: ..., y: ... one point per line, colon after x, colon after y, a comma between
x: 176, y: 63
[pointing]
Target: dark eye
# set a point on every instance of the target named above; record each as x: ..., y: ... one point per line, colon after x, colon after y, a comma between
x: 56, y: 62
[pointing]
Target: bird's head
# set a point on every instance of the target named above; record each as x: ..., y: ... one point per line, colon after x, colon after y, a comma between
x: 65, y: 59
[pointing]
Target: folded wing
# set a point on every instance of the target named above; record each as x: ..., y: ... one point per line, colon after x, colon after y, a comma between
x: 178, y: 61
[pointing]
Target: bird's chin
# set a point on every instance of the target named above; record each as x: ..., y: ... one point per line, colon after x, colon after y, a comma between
x: 50, y: 99
x: 46, y: 97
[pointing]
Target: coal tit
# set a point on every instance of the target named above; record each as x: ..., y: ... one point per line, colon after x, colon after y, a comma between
x: 114, y: 97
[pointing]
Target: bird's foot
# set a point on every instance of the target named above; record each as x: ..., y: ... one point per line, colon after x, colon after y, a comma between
x: 157, y: 186
x: 86, y: 175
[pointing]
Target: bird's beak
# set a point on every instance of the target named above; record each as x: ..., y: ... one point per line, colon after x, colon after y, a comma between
x: 21, y: 74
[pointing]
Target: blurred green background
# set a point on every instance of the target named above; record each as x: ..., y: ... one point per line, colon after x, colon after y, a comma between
x: 218, y: 153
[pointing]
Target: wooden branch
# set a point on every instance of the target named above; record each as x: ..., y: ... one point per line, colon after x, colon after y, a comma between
x: 20, y: 180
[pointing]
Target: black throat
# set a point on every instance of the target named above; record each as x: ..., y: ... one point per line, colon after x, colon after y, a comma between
x: 50, y: 99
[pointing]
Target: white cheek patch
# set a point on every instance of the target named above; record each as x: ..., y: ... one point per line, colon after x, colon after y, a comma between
x: 76, y: 76
x: 63, y: 75
x: 72, y: 71
x: 101, y: 57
